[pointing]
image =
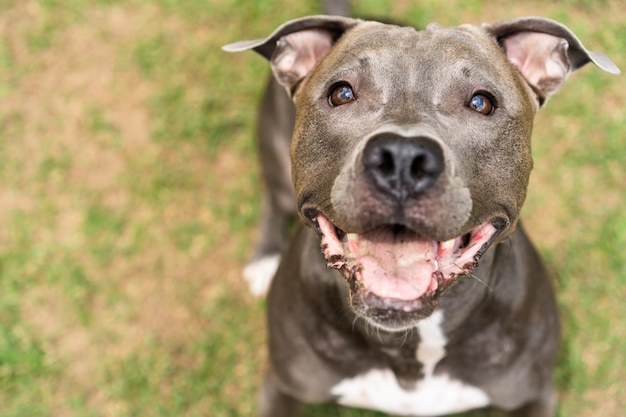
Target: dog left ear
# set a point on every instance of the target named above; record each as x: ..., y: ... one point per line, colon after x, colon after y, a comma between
x: 545, y: 52
x: 297, y: 46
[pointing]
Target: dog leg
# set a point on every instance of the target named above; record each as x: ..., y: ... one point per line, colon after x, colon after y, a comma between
x: 274, y: 128
x: 275, y: 403
x: 543, y: 407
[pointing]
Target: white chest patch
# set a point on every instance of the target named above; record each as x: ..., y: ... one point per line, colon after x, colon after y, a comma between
x: 434, y: 395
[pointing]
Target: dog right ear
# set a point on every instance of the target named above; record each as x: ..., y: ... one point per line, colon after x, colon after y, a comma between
x: 297, y: 46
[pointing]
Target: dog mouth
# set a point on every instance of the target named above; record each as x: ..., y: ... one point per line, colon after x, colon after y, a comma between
x: 391, y: 268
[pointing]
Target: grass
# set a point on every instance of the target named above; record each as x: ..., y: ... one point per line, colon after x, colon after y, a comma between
x: 129, y: 198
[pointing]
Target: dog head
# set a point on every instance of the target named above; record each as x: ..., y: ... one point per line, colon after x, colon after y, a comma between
x: 411, y: 151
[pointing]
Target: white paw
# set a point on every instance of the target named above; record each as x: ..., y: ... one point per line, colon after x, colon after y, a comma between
x: 259, y: 274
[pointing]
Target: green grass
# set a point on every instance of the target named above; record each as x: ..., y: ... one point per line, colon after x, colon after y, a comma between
x: 129, y: 195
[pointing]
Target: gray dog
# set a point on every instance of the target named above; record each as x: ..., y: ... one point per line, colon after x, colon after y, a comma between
x: 410, y: 162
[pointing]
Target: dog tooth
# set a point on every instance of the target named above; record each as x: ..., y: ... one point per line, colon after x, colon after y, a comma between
x: 448, y: 244
x: 353, y: 236
x: 353, y: 242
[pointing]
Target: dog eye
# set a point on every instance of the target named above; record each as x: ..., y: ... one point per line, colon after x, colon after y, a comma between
x: 482, y: 104
x: 341, y: 94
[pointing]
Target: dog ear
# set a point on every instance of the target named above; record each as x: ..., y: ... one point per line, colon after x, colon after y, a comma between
x: 297, y: 46
x: 545, y: 52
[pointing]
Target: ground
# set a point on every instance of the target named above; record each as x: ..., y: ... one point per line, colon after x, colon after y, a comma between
x: 129, y: 195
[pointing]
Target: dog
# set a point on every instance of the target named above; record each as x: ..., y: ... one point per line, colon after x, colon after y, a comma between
x: 411, y: 287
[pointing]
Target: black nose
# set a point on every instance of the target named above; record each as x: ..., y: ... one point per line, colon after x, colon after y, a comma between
x: 402, y: 166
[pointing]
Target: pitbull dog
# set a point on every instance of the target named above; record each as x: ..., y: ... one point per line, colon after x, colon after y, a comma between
x: 410, y: 162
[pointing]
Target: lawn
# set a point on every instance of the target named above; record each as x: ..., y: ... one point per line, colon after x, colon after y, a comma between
x: 129, y: 196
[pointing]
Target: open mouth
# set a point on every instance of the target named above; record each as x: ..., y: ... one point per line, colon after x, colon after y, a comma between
x: 391, y: 268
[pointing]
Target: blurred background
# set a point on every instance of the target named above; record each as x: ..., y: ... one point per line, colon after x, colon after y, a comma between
x: 129, y: 195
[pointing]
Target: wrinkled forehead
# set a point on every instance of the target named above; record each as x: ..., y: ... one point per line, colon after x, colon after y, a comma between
x: 407, y: 49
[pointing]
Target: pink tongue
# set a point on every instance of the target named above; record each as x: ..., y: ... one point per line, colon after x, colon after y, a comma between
x: 395, y: 265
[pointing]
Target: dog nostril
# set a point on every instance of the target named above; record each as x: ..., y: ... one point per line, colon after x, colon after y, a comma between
x: 386, y: 166
x: 424, y: 165
x: 418, y: 166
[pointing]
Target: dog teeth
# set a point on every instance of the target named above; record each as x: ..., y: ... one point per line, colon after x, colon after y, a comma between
x: 447, y: 245
x: 354, y: 237
x: 353, y: 242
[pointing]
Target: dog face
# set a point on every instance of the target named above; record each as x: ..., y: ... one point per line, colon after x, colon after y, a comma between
x: 411, y: 151
x: 392, y: 192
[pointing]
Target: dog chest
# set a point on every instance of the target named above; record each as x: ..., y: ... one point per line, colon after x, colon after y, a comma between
x: 378, y: 389
x: 433, y: 396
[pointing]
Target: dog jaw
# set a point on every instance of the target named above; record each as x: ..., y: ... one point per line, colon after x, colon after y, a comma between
x: 394, y: 275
